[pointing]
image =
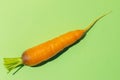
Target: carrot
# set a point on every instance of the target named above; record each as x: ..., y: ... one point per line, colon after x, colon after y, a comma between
x: 46, y: 50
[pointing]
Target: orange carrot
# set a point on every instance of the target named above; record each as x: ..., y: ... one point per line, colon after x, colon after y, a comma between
x: 45, y: 51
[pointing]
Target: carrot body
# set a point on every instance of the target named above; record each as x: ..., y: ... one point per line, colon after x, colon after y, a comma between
x: 43, y: 52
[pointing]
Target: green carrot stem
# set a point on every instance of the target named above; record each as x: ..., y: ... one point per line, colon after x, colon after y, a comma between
x: 12, y: 63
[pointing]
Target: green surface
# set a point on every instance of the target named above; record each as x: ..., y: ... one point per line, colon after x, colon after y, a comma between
x: 26, y: 23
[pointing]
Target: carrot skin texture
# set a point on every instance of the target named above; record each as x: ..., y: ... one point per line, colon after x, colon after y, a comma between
x: 44, y: 51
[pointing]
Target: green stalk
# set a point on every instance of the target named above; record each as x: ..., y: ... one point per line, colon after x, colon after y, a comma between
x: 12, y: 63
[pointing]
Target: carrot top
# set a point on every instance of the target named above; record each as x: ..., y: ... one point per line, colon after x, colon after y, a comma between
x: 11, y: 63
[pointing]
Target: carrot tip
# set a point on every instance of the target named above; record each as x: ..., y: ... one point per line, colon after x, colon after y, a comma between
x: 97, y: 19
x: 12, y: 63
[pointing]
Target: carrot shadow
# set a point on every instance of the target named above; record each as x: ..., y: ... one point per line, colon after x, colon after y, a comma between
x: 60, y: 53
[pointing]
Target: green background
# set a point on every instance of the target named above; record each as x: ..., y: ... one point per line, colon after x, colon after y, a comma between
x: 25, y: 23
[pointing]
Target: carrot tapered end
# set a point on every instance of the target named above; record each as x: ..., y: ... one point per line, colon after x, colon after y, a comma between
x: 97, y: 19
x: 12, y: 63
